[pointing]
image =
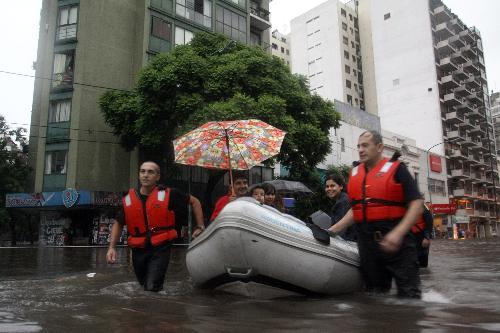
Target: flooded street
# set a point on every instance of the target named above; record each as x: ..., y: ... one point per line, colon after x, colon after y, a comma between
x: 47, y: 290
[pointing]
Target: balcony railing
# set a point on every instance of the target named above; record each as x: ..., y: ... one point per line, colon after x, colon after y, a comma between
x: 62, y: 80
x: 260, y: 12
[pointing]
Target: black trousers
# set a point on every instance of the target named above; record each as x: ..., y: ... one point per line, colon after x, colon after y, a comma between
x: 422, y: 252
x: 378, y: 268
x: 150, y: 265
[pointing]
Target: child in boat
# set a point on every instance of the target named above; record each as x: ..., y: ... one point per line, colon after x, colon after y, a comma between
x: 271, y: 198
x: 258, y: 193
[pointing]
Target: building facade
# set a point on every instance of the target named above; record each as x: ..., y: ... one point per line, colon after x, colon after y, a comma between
x: 425, y: 72
x: 328, y: 51
x: 280, y: 46
x: 87, y: 48
x: 495, y: 114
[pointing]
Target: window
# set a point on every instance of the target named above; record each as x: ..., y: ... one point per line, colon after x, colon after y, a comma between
x: 161, y: 35
x: 55, y: 162
x: 436, y: 186
x: 395, y: 82
x: 387, y: 16
x: 352, y: 45
x: 349, y: 99
x: 347, y: 69
x: 348, y: 83
x: 345, y: 40
x: 199, y: 11
x: 346, y: 54
x: 162, y: 4
x: 282, y: 49
x: 182, y: 36
x: 343, y: 12
x: 63, y: 70
x: 255, y: 38
x: 342, y: 145
x: 241, y: 3
x: 283, y: 39
x: 416, y: 179
x: 287, y: 52
x: 353, y: 58
x: 350, y: 17
x: 231, y: 24
x: 59, y: 111
x: 275, y: 46
x: 66, y: 27
x: 344, y: 26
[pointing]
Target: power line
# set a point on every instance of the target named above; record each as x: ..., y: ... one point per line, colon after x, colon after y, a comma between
x: 89, y: 130
x: 73, y: 83
x: 72, y: 139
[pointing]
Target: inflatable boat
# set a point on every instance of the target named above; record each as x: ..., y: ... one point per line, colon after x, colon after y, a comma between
x: 251, y: 242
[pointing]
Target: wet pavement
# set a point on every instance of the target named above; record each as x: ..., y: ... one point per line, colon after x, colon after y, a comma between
x: 47, y: 290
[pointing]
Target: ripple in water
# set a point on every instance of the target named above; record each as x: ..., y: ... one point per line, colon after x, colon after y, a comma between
x: 9, y: 323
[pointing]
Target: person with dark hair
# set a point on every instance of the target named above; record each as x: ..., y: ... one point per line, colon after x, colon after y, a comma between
x: 257, y: 192
x: 271, y: 197
x: 386, y: 204
x: 240, y: 189
x: 150, y: 216
x: 334, y: 190
x: 422, y: 231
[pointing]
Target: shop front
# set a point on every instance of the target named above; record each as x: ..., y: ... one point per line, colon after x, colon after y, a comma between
x: 69, y: 217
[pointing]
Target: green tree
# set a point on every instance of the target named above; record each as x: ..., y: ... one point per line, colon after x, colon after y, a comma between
x: 14, y: 170
x: 213, y: 78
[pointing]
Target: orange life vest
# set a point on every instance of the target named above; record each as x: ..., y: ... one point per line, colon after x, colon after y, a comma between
x: 419, y: 226
x: 157, y: 223
x: 375, y: 196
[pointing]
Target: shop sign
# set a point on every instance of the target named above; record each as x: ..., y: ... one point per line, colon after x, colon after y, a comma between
x: 106, y: 199
x: 44, y: 199
x: 444, y: 208
x: 69, y: 197
x: 435, y: 163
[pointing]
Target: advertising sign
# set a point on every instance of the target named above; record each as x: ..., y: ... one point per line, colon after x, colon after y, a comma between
x: 435, y: 163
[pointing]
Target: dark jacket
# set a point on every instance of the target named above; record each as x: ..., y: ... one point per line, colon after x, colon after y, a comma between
x: 338, y: 211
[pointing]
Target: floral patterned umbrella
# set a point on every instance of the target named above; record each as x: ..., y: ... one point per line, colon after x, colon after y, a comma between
x: 237, y: 145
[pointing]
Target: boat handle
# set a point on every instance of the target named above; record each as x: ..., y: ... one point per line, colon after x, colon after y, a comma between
x: 239, y: 272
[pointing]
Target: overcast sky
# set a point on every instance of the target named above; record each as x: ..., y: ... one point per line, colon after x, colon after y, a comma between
x: 19, y: 37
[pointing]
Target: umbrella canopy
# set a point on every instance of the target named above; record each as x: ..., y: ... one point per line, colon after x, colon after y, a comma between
x: 237, y: 145
x: 289, y: 186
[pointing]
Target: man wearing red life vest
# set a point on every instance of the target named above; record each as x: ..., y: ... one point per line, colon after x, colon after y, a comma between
x: 150, y: 218
x: 385, y: 205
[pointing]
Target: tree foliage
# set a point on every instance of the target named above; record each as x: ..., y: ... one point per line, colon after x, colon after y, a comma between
x: 213, y: 78
x: 14, y: 170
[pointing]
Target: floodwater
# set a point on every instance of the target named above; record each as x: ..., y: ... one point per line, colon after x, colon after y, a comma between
x: 48, y: 290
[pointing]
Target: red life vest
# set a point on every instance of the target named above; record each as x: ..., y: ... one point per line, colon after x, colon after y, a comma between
x: 376, y: 196
x: 157, y: 223
x: 419, y: 226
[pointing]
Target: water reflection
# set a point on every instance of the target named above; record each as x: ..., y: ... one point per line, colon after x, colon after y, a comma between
x: 47, y: 289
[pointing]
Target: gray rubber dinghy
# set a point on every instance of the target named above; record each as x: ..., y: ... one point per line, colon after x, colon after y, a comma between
x: 251, y: 242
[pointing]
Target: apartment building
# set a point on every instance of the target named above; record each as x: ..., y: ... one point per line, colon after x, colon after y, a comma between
x: 280, y: 46
x: 495, y: 114
x: 88, y: 47
x: 329, y: 54
x: 424, y: 76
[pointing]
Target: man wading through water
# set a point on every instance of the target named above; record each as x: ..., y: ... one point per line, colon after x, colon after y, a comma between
x: 150, y: 217
x: 385, y: 205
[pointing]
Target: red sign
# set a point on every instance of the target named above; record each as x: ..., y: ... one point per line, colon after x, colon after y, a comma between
x: 435, y: 163
x: 443, y: 208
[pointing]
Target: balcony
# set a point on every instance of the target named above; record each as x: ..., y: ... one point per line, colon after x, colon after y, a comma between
x: 472, y: 83
x: 460, y: 192
x: 448, y: 82
x: 470, y: 67
x: 66, y: 32
x: 446, y: 65
x: 456, y: 41
x: 458, y: 58
x: 467, y: 36
x: 442, y: 13
x: 475, y: 97
x: 443, y: 31
x: 451, y: 99
x: 462, y: 91
x: 477, y: 130
x: 456, y: 135
x: 259, y: 17
x: 456, y: 155
x: 454, y: 118
x: 444, y: 48
x: 457, y: 24
x: 459, y: 174
x: 460, y: 74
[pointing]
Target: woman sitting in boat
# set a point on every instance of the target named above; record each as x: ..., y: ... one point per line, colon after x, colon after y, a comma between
x: 334, y: 190
x: 271, y: 198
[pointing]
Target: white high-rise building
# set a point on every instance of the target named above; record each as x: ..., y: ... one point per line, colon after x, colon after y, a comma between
x: 280, y: 46
x: 326, y: 50
x: 424, y: 75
